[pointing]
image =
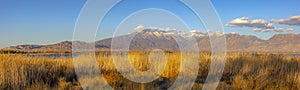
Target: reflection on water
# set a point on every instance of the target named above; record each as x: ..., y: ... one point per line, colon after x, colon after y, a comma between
x: 295, y: 55
x: 51, y: 55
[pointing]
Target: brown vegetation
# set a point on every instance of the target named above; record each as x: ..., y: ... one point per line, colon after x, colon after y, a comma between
x: 242, y: 71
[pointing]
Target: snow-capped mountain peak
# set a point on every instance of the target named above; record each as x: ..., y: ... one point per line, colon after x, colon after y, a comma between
x: 168, y: 32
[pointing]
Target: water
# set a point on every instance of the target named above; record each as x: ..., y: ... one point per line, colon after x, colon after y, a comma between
x: 70, y: 55
x: 294, y: 55
x: 51, y: 55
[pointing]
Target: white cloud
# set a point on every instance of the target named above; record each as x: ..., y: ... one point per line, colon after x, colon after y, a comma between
x: 292, y: 21
x: 273, y: 29
x: 259, y: 25
x: 139, y: 28
x: 233, y: 33
x: 169, y: 29
x: 245, y: 22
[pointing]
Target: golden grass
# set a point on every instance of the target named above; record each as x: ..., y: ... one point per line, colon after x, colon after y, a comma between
x: 242, y: 71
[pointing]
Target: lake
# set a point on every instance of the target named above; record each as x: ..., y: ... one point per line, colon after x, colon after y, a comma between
x: 50, y: 55
x: 70, y: 55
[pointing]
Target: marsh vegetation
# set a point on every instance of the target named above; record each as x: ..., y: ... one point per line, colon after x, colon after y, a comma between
x: 245, y: 70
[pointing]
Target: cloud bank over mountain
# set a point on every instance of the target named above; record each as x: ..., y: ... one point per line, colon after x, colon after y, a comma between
x: 258, y: 25
x: 245, y: 22
x: 292, y: 21
x: 174, y: 32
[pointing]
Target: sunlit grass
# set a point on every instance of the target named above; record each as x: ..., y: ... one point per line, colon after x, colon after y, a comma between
x: 242, y: 71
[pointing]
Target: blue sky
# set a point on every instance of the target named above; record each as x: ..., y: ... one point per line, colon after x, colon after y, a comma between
x: 52, y: 21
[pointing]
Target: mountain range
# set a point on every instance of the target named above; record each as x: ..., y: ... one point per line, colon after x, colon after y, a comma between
x: 155, y: 38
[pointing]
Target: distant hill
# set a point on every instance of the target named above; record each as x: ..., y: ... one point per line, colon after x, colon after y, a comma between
x: 65, y: 46
x: 279, y: 42
x: 148, y: 39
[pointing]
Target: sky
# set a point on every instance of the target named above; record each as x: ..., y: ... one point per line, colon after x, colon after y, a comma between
x: 53, y: 21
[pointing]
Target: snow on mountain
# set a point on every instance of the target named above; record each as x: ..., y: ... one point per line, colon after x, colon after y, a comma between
x: 168, y: 32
